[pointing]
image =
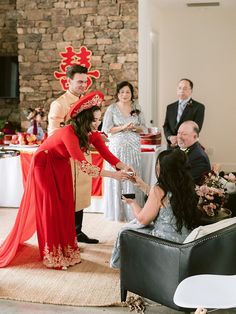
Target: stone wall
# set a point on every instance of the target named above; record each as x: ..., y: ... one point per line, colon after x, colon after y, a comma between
x: 9, y: 108
x: 109, y: 28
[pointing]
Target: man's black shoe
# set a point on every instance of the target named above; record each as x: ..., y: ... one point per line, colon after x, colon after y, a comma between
x: 82, y: 237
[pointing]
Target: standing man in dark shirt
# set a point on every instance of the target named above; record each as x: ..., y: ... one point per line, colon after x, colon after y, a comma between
x: 182, y: 110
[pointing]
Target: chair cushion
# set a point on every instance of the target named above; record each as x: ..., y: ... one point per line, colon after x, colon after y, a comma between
x: 204, y: 230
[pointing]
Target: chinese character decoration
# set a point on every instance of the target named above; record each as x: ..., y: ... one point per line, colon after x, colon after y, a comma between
x: 70, y: 57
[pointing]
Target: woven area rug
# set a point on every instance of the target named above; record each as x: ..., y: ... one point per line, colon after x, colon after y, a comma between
x: 90, y: 283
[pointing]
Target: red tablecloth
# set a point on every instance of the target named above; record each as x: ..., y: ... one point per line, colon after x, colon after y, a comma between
x: 147, y: 150
x: 25, y: 158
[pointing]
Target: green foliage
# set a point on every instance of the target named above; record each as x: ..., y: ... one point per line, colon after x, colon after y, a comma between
x: 2, y: 123
x: 14, y: 125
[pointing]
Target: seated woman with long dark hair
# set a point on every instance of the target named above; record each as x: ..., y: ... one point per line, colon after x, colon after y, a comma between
x: 171, y: 208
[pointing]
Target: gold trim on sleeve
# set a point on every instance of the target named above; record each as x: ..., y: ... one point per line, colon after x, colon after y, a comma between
x: 91, y: 170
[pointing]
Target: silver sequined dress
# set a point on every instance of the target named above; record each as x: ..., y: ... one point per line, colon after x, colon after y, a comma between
x: 125, y: 145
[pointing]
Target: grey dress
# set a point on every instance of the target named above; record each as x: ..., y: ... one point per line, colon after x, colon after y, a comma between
x: 125, y: 145
x: 163, y: 227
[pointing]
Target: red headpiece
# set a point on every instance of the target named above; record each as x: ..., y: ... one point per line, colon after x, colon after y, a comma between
x: 88, y: 101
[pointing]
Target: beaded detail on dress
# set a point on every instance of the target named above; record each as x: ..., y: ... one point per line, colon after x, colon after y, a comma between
x: 165, y: 224
x: 91, y: 170
x: 125, y: 145
x: 61, y: 258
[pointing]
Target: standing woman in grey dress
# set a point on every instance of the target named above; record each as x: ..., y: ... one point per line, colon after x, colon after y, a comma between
x: 123, y: 122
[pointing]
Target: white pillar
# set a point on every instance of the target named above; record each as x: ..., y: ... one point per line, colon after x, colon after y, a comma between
x: 148, y: 65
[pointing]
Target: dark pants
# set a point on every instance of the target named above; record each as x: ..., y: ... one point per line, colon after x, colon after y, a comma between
x: 78, y: 221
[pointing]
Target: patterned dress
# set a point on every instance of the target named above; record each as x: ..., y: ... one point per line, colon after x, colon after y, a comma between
x: 126, y: 146
x: 47, y: 205
x: 164, y: 226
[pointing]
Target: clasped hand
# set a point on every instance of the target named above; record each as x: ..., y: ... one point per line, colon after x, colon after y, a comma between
x: 125, y: 174
x: 129, y: 127
x: 173, y: 140
x: 122, y: 175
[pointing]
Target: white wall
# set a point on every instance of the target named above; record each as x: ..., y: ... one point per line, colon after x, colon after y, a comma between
x: 200, y: 44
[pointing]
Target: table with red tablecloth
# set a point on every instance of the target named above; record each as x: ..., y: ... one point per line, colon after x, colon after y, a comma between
x: 14, y: 171
x: 12, y: 177
x: 97, y: 186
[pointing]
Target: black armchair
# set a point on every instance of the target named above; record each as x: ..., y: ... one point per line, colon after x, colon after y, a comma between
x: 231, y: 204
x: 152, y: 267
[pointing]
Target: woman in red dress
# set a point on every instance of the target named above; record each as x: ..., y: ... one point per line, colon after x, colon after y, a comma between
x: 47, y: 205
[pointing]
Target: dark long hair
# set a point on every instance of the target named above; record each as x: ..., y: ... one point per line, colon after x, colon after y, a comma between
x: 82, y: 125
x: 175, y: 177
x: 119, y: 87
x: 123, y: 84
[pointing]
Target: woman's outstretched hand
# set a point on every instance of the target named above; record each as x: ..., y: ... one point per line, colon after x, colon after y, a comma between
x: 120, y: 175
x: 125, y: 172
x: 126, y: 168
x: 130, y: 170
x: 137, y: 181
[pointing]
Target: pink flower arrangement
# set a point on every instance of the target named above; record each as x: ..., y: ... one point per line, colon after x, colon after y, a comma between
x: 212, y: 194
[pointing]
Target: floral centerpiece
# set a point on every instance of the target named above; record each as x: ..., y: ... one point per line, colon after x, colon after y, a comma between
x: 213, y: 192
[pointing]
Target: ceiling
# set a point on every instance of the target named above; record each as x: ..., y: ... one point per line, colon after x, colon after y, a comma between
x: 183, y: 3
